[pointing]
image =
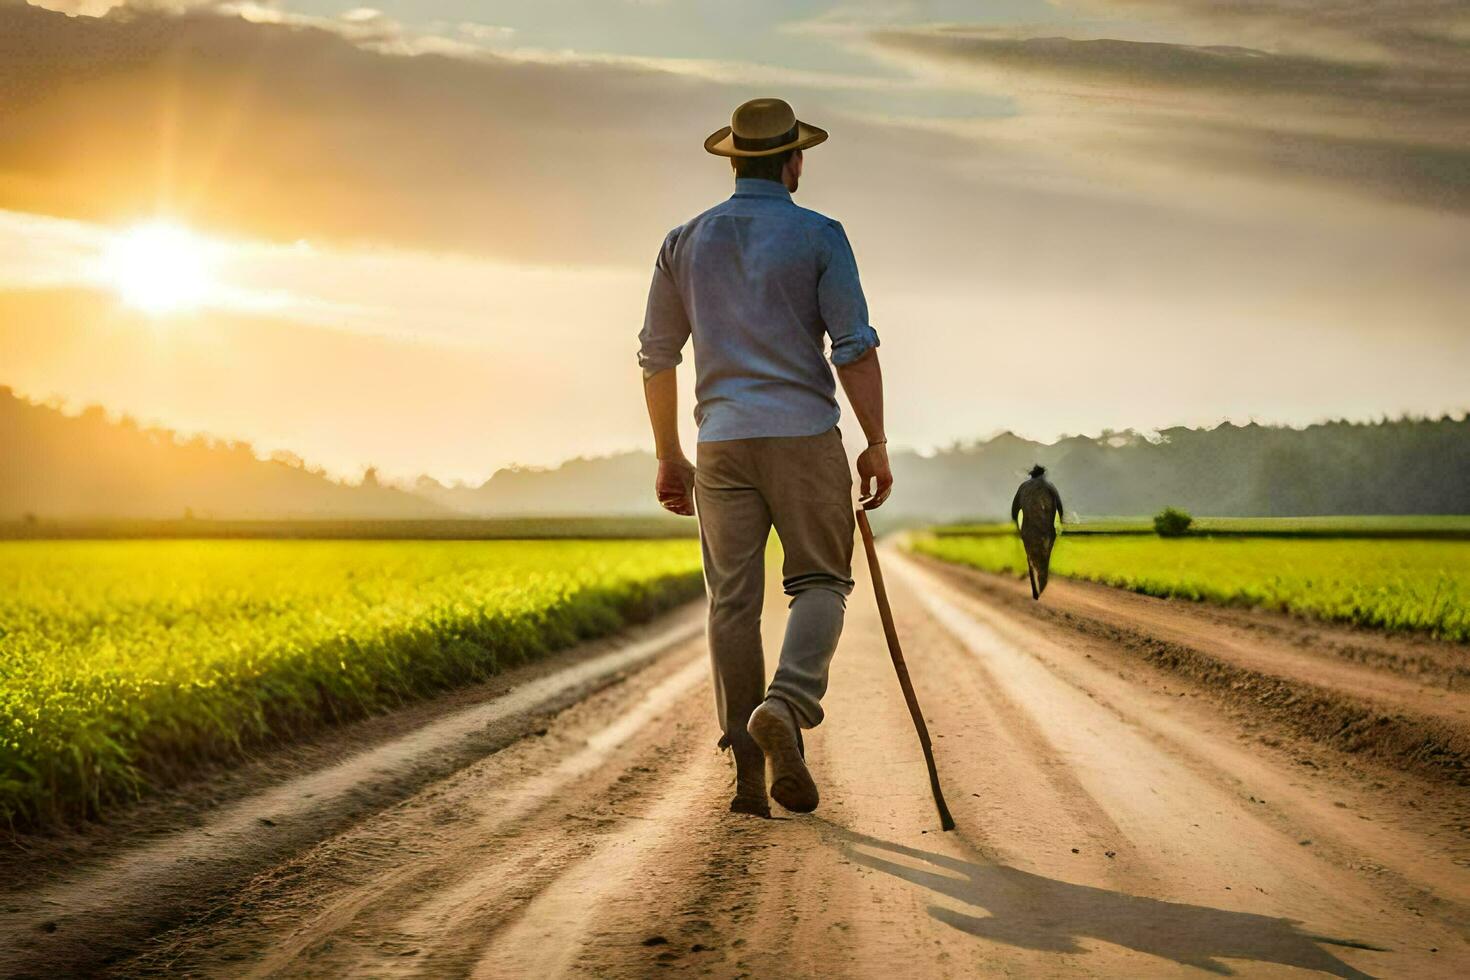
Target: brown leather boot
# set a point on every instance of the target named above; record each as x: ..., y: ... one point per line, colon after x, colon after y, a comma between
x: 774, y: 727
x: 750, y: 777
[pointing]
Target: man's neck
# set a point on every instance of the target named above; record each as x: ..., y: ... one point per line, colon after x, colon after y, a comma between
x: 762, y: 186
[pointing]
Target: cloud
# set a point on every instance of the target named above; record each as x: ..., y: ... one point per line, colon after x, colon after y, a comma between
x: 81, y: 8
x: 1429, y: 175
x: 484, y: 32
x: 1363, y: 96
x: 292, y: 129
x: 1145, y: 65
x: 1379, y: 127
x: 98, y: 8
x: 251, y: 119
x: 1414, y: 31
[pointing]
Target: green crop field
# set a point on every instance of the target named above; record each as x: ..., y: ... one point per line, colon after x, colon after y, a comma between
x: 1412, y: 585
x: 126, y: 663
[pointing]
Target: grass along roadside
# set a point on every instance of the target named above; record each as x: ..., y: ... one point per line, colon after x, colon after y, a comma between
x: 1407, y: 585
x: 125, y: 664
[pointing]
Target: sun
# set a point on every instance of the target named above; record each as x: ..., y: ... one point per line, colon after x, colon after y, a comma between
x: 159, y: 268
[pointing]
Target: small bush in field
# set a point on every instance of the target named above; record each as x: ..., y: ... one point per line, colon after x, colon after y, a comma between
x: 1172, y: 522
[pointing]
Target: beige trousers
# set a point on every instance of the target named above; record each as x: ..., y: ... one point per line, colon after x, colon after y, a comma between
x: 801, y: 486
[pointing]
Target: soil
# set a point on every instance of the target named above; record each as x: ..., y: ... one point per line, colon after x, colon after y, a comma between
x: 1142, y: 788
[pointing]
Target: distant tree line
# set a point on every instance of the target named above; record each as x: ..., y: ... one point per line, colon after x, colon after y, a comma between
x: 1403, y: 466
x: 95, y: 465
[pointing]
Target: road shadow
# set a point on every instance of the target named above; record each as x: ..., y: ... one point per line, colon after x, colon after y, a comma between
x: 1034, y: 912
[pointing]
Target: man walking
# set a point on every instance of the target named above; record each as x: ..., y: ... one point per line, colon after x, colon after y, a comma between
x: 1040, y: 506
x: 758, y: 283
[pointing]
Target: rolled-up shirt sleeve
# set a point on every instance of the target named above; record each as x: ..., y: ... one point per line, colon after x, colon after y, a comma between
x: 840, y: 297
x: 665, y: 322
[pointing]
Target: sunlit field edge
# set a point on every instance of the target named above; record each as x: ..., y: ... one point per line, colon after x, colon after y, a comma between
x: 126, y: 664
x: 1330, y: 526
x: 1400, y: 585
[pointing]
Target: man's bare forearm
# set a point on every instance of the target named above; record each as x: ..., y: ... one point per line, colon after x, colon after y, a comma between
x: 662, y: 394
x: 863, y: 382
x: 674, y: 485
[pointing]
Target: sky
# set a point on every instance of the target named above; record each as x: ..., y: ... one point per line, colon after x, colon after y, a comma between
x: 419, y: 234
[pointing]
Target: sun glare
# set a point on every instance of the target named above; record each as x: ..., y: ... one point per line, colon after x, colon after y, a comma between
x: 159, y: 268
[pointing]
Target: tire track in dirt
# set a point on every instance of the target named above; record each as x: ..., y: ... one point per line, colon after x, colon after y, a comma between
x: 1169, y: 734
x: 1410, y: 715
x: 464, y: 906
x: 1399, y: 844
x: 1401, y: 824
x: 404, y: 893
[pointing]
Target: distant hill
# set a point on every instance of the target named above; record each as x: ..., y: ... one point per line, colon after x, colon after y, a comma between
x: 59, y: 466
x: 618, y: 484
x: 67, y: 467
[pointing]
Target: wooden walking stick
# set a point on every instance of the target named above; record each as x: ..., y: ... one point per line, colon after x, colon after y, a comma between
x: 886, y: 614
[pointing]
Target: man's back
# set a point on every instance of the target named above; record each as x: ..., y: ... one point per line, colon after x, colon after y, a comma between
x: 1039, y: 503
x: 757, y: 281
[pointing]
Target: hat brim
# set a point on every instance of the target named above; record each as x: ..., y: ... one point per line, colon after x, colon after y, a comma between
x: 722, y: 142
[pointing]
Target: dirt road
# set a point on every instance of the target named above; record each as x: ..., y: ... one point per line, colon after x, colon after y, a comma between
x: 1137, y: 794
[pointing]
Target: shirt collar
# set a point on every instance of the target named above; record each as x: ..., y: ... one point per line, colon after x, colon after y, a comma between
x: 756, y: 187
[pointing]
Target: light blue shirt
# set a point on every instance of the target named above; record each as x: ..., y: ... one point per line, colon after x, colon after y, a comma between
x: 759, y: 283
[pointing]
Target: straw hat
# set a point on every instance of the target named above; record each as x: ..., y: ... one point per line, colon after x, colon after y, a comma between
x: 760, y: 128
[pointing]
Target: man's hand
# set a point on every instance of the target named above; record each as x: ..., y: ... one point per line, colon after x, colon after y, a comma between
x: 872, y: 465
x: 675, y: 485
